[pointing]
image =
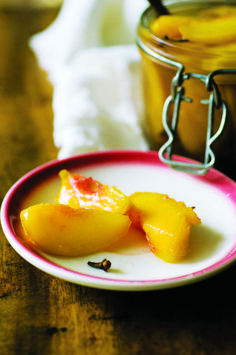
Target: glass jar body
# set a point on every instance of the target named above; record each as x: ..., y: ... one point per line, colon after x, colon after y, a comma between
x: 157, y: 76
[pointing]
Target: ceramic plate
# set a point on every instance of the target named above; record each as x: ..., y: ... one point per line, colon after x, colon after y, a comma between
x: 134, y: 267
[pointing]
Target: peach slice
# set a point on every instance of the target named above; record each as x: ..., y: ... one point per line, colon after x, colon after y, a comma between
x: 214, y: 31
x: 80, y: 191
x: 166, y: 222
x: 61, y: 230
x: 168, y: 27
x: 213, y: 26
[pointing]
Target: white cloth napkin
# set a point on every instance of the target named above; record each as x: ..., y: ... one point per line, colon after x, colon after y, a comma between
x: 90, y: 55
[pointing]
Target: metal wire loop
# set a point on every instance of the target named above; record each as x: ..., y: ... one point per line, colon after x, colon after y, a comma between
x: 176, y: 97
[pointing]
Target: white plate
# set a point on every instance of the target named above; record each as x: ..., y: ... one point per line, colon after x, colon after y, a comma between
x: 134, y: 267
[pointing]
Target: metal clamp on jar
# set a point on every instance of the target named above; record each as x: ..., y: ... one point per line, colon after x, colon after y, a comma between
x: 189, y: 95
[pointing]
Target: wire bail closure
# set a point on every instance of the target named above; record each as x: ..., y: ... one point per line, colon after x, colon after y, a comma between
x: 214, y: 102
x: 176, y: 97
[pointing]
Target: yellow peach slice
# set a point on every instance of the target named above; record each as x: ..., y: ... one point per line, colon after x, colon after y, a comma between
x: 166, y: 222
x: 213, y: 26
x: 61, y: 230
x: 210, y: 32
x: 80, y: 191
x: 168, y: 27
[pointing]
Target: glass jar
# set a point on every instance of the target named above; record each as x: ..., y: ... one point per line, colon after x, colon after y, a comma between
x: 203, y: 75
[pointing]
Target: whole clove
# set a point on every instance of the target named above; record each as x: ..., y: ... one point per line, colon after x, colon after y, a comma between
x: 105, y: 264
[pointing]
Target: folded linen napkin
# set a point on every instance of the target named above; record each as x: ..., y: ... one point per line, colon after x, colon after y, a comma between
x: 90, y: 55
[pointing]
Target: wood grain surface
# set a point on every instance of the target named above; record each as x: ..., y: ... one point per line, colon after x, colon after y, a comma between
x: 40, y: 314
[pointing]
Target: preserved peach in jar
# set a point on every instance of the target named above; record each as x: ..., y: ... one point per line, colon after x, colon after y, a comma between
x: 191, y: 53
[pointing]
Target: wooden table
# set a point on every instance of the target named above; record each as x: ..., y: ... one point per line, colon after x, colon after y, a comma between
x: 40, y: 314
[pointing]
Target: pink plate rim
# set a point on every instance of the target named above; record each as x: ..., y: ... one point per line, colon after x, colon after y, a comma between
x: 213, y: 177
